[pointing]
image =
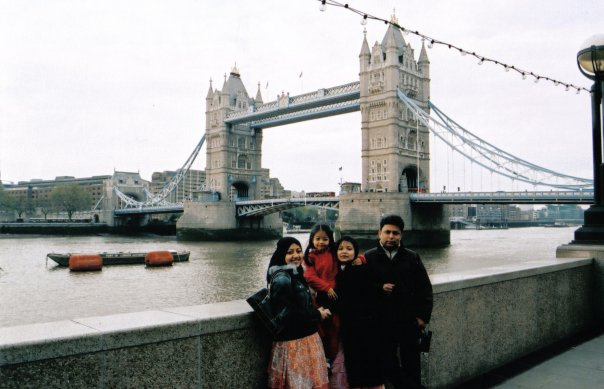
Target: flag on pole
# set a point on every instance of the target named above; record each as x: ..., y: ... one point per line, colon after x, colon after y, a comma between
x: 340, y: 168
x: 300, y: 76
x: 266, y: 87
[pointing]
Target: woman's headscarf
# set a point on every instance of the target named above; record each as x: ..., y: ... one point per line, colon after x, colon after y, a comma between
x: 278, y: 257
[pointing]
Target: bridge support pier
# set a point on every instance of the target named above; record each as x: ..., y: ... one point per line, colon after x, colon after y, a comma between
x: 217, y: 221
x: 360, y: 214
x: 106, y: 216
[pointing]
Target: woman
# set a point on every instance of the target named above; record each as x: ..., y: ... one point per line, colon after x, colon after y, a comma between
x: 297, y: 359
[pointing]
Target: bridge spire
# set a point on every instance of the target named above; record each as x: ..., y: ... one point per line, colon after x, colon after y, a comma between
x: 259, y: 95
x: 210, y: 94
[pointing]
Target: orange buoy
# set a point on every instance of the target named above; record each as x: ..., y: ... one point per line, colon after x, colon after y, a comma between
x: 85, y: 262
x: 159, y: 258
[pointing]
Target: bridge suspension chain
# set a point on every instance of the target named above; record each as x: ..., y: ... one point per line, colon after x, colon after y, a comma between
x: 160, y: 198
x: 488, y: 156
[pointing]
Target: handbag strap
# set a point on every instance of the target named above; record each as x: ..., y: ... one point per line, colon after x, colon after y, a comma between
x: 268, y: 283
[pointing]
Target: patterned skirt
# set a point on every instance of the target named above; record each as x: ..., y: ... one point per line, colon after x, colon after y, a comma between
x: 298, y: 364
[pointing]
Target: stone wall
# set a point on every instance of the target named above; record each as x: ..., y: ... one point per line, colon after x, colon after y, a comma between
x: 482, y: 319
x: 487, y: 318
x: 218, y: 221
x: 571, y: 251
x: 360, y: 214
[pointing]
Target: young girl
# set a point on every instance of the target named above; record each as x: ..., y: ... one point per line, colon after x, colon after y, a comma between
x: 320, y: 272
x: 358, y: 332
x: 297, y: 359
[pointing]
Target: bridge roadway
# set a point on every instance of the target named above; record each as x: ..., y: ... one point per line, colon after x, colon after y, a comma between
x: 286, y: 110
x: 252, y: 208
x: 500, y: 197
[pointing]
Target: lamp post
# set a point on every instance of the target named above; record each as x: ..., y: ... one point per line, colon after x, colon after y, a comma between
x: 590, y: 60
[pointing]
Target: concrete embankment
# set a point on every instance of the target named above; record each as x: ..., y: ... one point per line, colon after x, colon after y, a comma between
x: 54, y: 228
x: 482, y: 319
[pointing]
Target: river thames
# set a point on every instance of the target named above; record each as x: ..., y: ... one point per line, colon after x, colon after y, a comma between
x: 33, y: 290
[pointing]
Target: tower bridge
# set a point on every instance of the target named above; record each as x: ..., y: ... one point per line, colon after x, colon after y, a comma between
x: 397, y: 117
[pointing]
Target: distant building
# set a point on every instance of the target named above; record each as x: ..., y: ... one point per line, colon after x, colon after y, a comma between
x: 568, y: 212
x: 350, y: 187
x: 271, y: 188
x: 34, y: 194
x: 192, y: 183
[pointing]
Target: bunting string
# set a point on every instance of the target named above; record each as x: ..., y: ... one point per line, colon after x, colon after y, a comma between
x: 431, y: 42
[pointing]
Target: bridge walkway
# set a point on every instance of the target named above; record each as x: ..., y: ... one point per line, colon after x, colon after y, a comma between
x: 572, y: 364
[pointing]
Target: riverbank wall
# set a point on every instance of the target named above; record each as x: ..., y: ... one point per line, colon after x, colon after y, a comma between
x: 40, y: 228
x: 482, y: 319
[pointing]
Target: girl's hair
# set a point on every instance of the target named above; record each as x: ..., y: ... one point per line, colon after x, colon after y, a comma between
x: 278, y: 257
x: 353, y: 241
x: 318, y: 227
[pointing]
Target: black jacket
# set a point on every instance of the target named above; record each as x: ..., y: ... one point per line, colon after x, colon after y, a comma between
x: 290, y: 296
x: 412, y: 294
x: 359, y: 332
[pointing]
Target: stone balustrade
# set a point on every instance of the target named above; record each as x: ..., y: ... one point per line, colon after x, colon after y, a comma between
x: 482, y: 319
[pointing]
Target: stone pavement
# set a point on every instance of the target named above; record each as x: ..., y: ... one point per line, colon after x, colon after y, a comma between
x: 574, y: 364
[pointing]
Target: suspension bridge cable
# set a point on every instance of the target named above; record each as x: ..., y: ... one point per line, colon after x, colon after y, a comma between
x: 171, y: 188
x: 491, y: 157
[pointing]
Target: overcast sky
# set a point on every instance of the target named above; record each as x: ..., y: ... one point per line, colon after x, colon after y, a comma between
x: 87, y: 87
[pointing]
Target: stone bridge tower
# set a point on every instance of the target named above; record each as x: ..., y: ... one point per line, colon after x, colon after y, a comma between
x: 233, y: 171
x: 233, y: 152
x: 395, y: 147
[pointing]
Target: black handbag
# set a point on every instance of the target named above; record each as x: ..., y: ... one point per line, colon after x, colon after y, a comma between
x: 260, y: 302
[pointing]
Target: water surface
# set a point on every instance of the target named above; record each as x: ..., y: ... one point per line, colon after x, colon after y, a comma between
x: 34, y: 290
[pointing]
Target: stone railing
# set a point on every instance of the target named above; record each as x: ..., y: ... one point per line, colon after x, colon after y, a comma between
x: 482, y: 320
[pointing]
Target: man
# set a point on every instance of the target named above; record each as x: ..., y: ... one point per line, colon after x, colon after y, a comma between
x: 403, y: 298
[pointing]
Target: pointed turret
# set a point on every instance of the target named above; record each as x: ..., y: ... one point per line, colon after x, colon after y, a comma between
x: 210, y: 94
x: 365, y: 54
x: 423, y: 65
x: 393, y: 37
x: 423, y: 56
x: 259, y: 95
x: 224, y: 85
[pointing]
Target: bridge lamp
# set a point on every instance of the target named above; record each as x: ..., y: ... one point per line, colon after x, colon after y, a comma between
x: 590, y: 60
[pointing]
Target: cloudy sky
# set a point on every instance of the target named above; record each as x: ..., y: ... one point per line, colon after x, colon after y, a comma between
x: 87, y: 87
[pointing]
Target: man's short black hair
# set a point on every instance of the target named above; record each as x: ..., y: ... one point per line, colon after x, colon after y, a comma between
x: 394, y: 220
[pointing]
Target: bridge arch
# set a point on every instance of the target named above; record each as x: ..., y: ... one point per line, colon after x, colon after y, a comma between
x: 411, y: 181
x: 408, y: 179
x: 240, y: 190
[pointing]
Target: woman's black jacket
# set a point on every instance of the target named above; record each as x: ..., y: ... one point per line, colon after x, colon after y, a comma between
x: 290, y: 296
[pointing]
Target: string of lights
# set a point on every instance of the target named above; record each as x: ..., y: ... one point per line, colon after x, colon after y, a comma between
x: 432, y: 42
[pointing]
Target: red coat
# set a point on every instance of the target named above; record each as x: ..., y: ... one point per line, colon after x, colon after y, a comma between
x: 321, y: 275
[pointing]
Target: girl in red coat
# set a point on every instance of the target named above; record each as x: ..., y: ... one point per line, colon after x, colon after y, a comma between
x: 320, y: 272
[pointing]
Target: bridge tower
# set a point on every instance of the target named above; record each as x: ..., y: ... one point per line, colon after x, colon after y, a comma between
x: 395, y: 149
x: 395, y: 146
x: 233, y: 171
x: 233, y: 152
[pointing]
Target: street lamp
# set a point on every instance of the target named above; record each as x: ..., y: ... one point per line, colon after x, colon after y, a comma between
x: 590, y: 60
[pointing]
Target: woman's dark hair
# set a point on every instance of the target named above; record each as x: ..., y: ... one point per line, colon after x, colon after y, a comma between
x: 278, y: 257
x: 353, y: 241
x: 318, y: 227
